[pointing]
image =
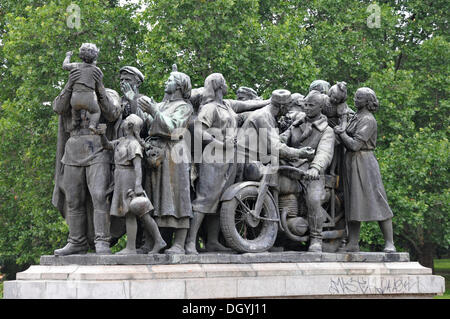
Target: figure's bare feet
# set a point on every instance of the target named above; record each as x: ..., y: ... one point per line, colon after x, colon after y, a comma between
x: 389, y: 248
x: 157, y: 247
x: 127, y: 251
x: 212, y: 247
x: 175, y: 249
x: 190, y: 249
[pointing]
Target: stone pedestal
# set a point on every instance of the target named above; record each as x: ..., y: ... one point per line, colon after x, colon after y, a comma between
x: 312, y: 275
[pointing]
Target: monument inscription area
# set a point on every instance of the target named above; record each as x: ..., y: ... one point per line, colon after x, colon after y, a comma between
x: 363, y: 285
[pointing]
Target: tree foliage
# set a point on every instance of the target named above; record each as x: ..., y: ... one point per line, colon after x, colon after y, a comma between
x: 33, y: 46
x: 264, y: 44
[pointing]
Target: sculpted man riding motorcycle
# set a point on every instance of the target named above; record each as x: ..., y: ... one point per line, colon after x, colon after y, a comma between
x: 312, y: 130
x: 249, y: 214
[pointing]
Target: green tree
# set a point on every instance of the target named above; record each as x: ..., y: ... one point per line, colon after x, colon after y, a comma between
x: 264, y: 44
x: 228, y: 37
x: 33, y: 45
x: 405, y: 61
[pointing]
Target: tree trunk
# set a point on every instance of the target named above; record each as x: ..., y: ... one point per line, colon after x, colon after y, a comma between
x: 426, y: 255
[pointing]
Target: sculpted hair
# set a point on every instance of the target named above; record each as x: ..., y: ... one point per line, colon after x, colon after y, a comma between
x: 213, y: 82
x: 88, y: 52
x: 339, y: 90
x: 371, y: 98
x: 137, y: 126
x: 316, y: 96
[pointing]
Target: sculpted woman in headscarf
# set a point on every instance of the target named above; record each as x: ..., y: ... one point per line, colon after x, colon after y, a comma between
x: 169, y: 157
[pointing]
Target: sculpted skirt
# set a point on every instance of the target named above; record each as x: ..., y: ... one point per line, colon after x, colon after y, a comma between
x: 170, y: 187
x: 364, y: 194
x: 213, y: 180
x: 124, y: 179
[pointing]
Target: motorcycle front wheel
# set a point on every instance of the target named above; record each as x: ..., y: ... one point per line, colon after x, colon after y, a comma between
x: 243, y: 232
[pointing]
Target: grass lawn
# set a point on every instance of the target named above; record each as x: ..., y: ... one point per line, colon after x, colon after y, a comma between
x: 442, y: 268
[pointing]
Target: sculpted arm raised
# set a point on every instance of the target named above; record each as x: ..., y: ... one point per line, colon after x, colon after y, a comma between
x: 61, y: 104
x: 66, y: 64
x: 110, y: 110
x: 365, y: 128
x: 250, y: 105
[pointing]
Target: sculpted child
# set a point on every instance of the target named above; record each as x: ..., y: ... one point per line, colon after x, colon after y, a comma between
x: 83, y: 94
x: 128, y: 153
x: 337, y: 110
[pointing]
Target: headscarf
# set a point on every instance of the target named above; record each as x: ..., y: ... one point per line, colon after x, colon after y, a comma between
x: 184, y: 83
x: 320, y: 85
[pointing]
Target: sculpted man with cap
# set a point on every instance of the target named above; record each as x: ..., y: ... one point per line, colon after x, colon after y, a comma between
x: 259, y: 138
x: 130, y: 81
x: 312, y: 131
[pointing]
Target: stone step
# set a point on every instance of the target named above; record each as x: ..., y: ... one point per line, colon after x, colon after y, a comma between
x: 223, y: 258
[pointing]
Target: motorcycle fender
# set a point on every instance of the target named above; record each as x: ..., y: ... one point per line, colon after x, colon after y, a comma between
x: 235, y: 188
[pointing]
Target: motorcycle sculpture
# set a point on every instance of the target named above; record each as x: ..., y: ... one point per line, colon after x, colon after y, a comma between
x: 255, y: 210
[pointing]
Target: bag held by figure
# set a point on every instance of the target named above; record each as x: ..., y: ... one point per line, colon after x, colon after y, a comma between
x: 139, y: 205
x: 155, y: 151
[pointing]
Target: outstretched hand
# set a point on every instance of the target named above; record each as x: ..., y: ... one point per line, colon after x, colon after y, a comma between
x: 146, y: 103
x: 98, y: 75
x: 128, y: 91
x: 299, y: 118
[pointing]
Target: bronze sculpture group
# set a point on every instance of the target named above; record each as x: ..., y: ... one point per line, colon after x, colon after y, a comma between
x: 214, y: 174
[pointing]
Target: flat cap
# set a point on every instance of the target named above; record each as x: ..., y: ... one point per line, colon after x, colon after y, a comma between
x: 132, y: 70
x: 281, y: 96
